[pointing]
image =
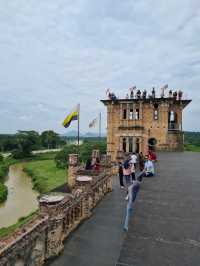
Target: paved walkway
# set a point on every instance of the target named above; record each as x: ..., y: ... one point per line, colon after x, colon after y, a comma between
x: 165, y: 227
x: 97, y: 242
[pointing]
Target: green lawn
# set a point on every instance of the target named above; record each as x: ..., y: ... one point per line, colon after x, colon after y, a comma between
x: 45, y: 175
x: 190, y: 147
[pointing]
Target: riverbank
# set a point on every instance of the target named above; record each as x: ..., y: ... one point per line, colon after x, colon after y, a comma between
x: 7, y: 162
x: 3, y: 192
x: 4, y: 231
x: 3, y: 188
x: 41, y: 176
x: 45, y: 175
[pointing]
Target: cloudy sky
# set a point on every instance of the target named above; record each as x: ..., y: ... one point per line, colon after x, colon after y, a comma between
x: 54, y: 54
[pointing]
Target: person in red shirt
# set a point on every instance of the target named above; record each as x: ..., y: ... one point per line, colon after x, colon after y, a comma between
x: 152, y: 156
x: 97, y: 165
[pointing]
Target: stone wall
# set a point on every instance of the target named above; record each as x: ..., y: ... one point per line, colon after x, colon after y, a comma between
x: 59, y: 214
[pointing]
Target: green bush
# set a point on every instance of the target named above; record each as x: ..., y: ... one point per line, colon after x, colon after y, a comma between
x: 1, y: 158
x: 61, y: 158
x: 3, y: 192
x: 84, y: 151
x: 3, y: 170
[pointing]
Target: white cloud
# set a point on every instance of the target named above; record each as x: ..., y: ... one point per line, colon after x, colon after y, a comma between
x: 57, y: 53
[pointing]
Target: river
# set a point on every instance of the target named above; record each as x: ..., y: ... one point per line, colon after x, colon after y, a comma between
x: 22, y: 199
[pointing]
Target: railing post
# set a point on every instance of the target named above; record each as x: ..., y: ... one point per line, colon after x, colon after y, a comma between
x: 95, y: 154
x: 72, y: 169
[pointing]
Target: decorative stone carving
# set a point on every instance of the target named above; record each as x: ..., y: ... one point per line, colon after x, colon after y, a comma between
x: 95, y: 154
x: 72, y: 170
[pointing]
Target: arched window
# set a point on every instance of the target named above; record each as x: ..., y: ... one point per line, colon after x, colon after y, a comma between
x: 124, y: 114
x: 124, y: 144
x: 131, y: 114
x: 137, y: 114
x: 137, y: 150
x: 130, y: 142
x: 172, y: 119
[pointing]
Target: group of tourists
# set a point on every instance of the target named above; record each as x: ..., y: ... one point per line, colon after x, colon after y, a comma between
x: 144, y: 166
x: 139, y: 94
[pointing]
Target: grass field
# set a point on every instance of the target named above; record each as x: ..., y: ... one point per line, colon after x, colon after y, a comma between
x: 190, y: 147
x: 45, y: 175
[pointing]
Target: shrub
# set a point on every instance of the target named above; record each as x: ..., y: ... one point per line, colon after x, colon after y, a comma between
x: 61, y: 158
x: 3, y: 192
x: 1, y: 158
x: 84, y: 151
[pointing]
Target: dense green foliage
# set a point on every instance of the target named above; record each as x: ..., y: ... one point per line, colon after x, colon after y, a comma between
x: 1, y: 158
x: 192, y: 138
x: 84, y: 151
x: 190, y: 147
x: 45, y: 175
x: 192, y: 141
x: 23, y: 139
x: 51, y: 140
x: 3, y: 171
x: 4, y: 231
x: 27, y: 141
x: 3, y: 192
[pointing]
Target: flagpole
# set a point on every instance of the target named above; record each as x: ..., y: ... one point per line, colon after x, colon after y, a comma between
x: 100, y: 126
x: 78, y: 133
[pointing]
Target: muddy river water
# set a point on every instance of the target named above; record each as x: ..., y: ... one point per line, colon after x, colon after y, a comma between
x: 22, y: 199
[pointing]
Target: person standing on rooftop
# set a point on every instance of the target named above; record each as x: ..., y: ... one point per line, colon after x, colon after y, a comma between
x: 153, y: 93
x: 144, y: 94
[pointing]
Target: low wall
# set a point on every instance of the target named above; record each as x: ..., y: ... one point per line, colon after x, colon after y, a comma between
x: 42, y: 238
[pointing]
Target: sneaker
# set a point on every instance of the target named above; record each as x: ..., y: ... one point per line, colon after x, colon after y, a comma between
x: 126, y: 197
x: 122, y: 187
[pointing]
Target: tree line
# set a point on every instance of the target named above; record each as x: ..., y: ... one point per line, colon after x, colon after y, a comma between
x: 192, y: 138
x: 23, y: 142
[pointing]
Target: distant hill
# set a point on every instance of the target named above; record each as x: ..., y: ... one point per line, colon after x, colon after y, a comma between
x: 73, y: 133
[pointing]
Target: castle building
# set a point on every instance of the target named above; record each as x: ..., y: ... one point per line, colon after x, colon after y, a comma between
x: 141, y: 124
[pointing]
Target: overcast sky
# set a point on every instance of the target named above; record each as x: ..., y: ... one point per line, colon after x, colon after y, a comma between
x: 56, y: 53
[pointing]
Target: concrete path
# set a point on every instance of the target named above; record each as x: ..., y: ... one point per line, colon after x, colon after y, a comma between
x: 97, y: 242
x: 165, y: 227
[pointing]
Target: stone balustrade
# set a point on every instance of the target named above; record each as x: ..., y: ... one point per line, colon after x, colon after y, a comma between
x: 59, y: 214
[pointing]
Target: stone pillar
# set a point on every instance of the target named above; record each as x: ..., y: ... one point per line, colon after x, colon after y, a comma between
x: 72, y: 170
x: 106, y: 159
x: 120, y: 156
x: 95, y: 154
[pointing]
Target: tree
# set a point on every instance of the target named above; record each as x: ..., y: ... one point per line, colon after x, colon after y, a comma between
x: 1, y: 158
x: 50, y: 139
x: 62, y: 157
x: 84, y: 151
x: 27, y: 141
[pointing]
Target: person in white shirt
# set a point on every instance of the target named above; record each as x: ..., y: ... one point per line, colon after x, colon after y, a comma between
x: 148, y: 169
x: 134, y: 159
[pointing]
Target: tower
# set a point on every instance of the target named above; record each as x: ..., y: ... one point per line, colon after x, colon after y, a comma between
x: 135, y: 125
